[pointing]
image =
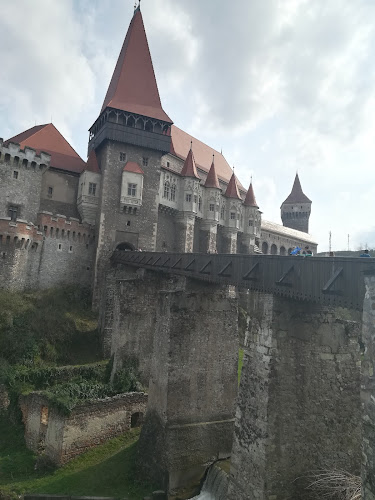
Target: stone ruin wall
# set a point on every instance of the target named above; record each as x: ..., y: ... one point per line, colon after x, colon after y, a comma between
x: 63, y: 437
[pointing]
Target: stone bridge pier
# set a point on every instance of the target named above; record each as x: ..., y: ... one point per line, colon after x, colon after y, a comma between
x: 299, y: 405
x: 193, y: 384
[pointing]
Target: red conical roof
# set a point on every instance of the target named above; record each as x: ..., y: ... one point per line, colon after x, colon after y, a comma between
x: 133, y: 86
x: 297, y: 195
x: 189, y: 169
x: 48, y: 139
x: 232, y: 189
x: 212, y: 181
x: 250, y: 200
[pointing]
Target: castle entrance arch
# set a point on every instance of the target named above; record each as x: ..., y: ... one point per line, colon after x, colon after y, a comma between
x: 125, y: 247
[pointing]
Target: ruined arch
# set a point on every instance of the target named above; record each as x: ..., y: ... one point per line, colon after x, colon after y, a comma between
x: 136, y: 419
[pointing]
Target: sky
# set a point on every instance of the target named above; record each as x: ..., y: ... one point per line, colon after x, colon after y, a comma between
x: 279, y: 86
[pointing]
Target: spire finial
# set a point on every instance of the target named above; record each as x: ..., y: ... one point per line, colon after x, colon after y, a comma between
x: 191, y: 144
x: 135, y: 6
x: 251, y: 179
x: 213, y: 157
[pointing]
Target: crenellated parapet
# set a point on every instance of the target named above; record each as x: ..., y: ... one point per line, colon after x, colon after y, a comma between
x: 20, y: 234
x: 28, y: 158
x: 60, y: 227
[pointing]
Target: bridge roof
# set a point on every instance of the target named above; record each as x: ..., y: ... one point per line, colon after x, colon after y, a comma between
x: 286, y: 231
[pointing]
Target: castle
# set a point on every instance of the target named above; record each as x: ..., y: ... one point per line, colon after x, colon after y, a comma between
x: 146, y: 185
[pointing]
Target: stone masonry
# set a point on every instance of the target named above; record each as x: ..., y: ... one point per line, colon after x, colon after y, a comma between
x: 368, y: 390
x: 298, y: 407
x: 63, y: 437
x: 193, y: 384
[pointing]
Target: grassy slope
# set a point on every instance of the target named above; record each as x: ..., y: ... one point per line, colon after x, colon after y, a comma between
x: 107, y: 470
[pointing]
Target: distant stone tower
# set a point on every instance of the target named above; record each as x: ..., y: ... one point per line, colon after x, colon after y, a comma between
x: 296, y: 209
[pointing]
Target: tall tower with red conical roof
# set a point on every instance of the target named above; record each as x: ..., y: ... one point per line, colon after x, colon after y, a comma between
x: 132, y: 128
x: 296, y: 209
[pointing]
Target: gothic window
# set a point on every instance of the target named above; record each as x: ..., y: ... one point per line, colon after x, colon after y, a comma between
x: 132, y: 190
x: 145, y: 161
x: 212, y: 207
x: 250, y: 223
x: 92, y: 188
x: 15, y: 174
x: 12, y: 213
x: 233, y: 215
x: 166, y: 190
x: 188, y: 197
x: 200, y: 203
x: 50, y: 191
x: 122, y: 156
x: 222, y: 212
x: 173, y: 193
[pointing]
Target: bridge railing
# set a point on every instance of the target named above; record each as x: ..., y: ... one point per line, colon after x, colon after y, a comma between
x: 336, y: 281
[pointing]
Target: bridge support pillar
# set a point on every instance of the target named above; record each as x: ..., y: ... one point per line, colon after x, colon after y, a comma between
x: 368, y: 390
x: 185, y: 223
x: 299, y: 399
x: 208, y: 235
x: 128, y: 318
x: 229, y: 238
x: 193, y: 385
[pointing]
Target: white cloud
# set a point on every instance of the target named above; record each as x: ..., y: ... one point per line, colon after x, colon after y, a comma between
x: 280, y: 86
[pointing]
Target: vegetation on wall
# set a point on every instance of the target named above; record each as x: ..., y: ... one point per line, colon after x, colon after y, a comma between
x: 48, y: 326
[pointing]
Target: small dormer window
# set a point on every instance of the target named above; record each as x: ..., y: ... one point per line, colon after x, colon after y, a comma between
x: 132, y: 190
x: 13, y: 213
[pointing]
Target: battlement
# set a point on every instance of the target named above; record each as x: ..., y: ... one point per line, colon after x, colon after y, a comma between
x: 60, y: 227
x: 28, y: 158
x: 19, y: 234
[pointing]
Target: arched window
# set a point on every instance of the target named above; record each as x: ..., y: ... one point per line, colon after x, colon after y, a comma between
x: 173, y: 192
x: 264, y: 247
x: 273, y: 249
x: 125, y: 247
x: 282, y: 251
x: 166, y: 190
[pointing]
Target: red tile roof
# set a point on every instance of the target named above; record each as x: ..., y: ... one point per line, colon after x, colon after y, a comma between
x: 47, y: 138
x: 212, y: 181
x: 133, y: 85
x: 250, y: 200
x: 189, y: 169
x: 202, y: 153
x: 92, y: 163
x: 132, y: 166
x: 232, y: 189
x: 297, y: 195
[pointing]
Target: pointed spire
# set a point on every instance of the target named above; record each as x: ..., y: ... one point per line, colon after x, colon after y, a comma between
x: 189, y: 169
x: 212, y: 181
x: 133, y: 85
x: 232, y: 189
x: 250, y: 200
x: 297, y: 195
